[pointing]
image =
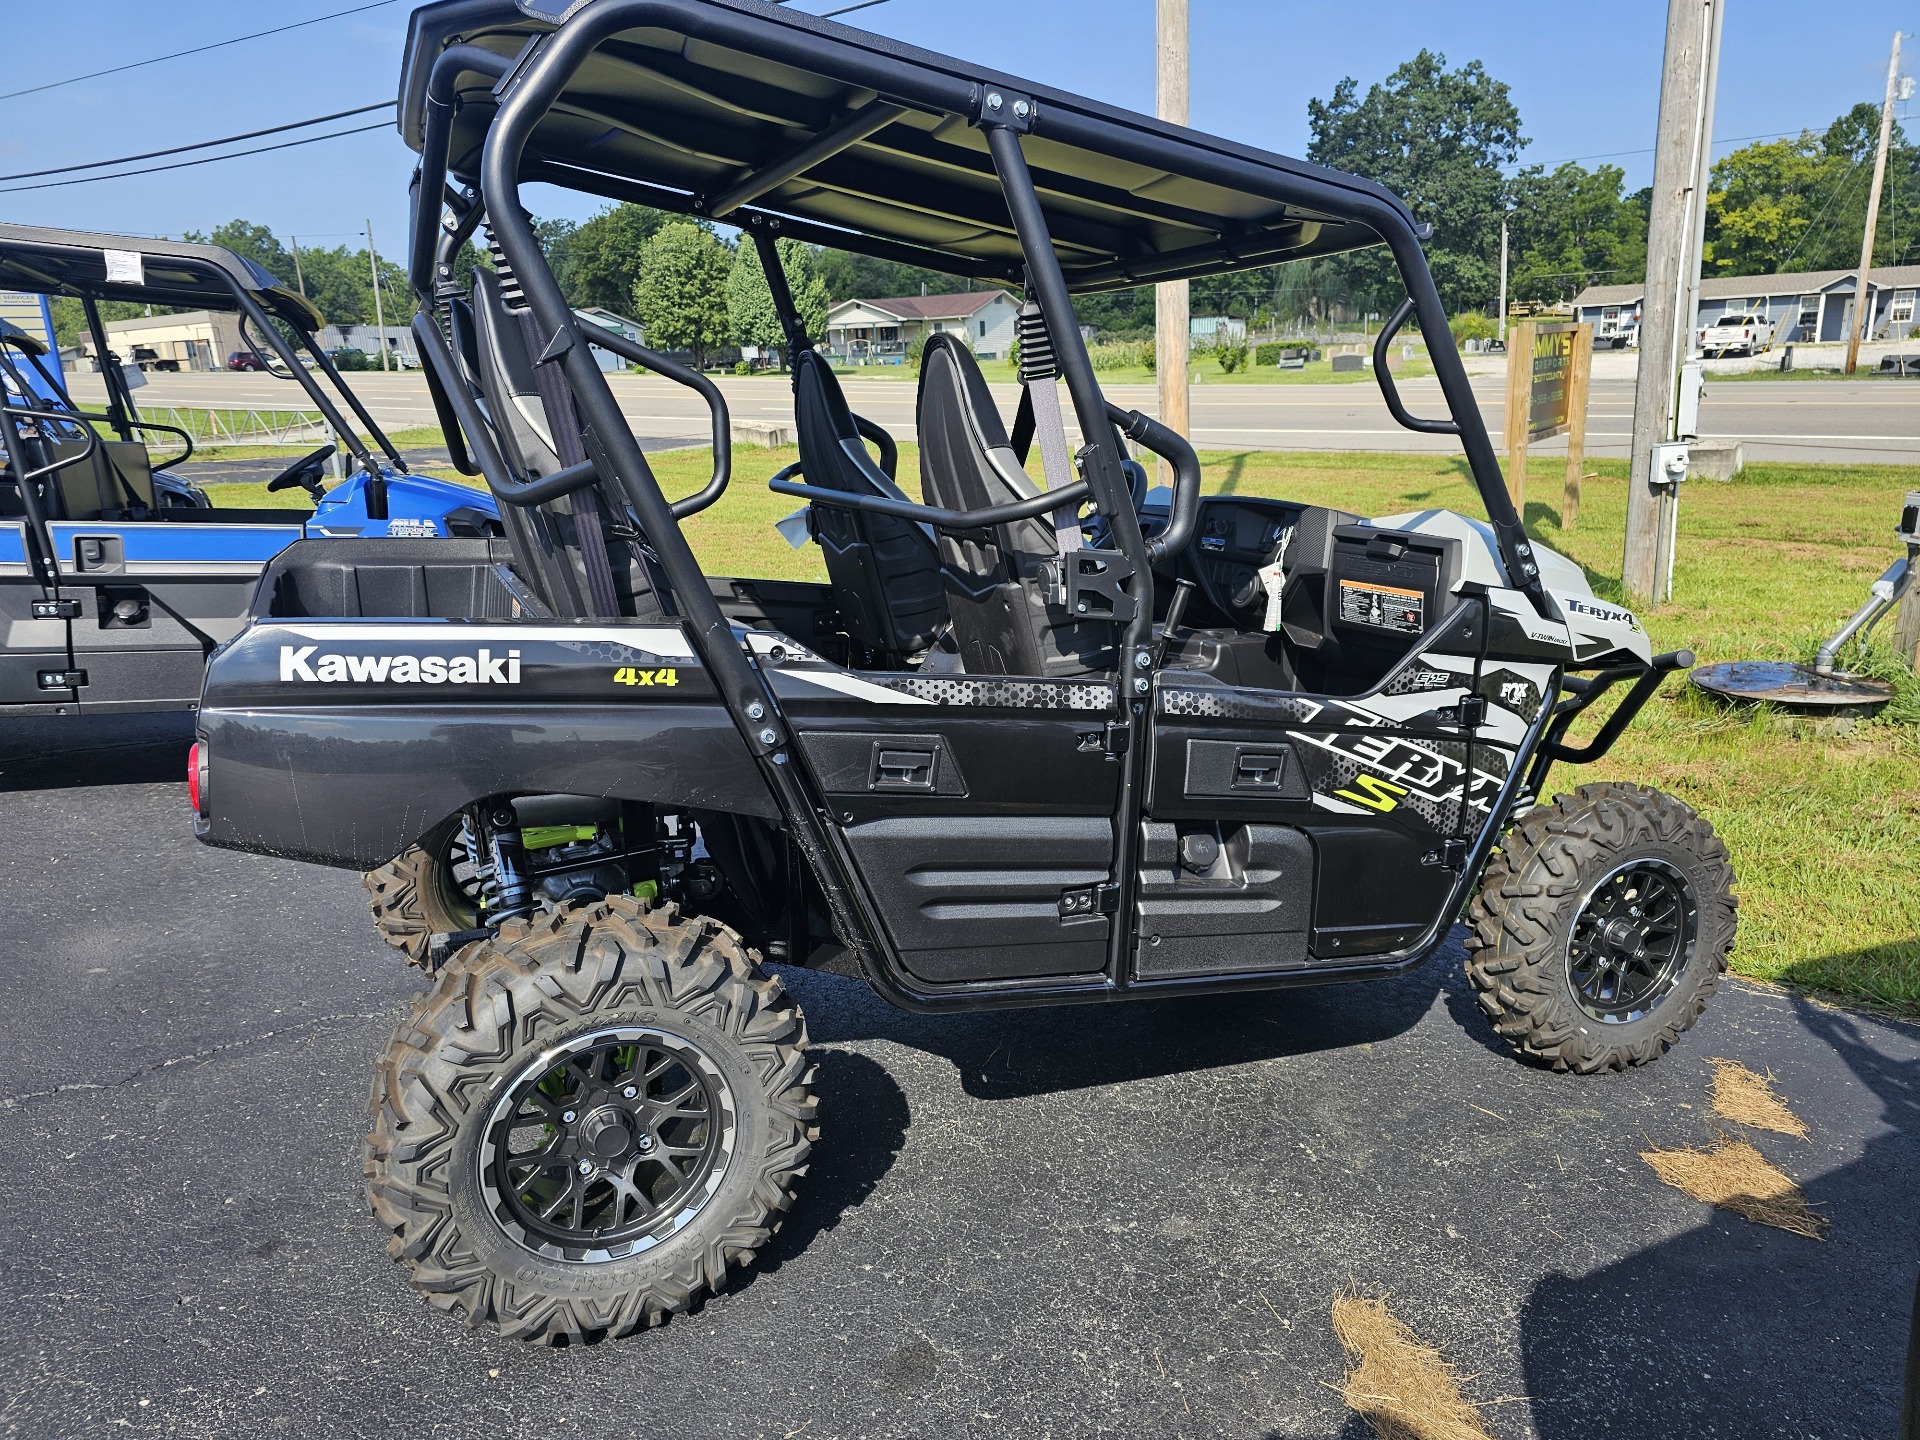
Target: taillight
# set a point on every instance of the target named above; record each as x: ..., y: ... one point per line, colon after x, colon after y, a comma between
x: 197, y: 776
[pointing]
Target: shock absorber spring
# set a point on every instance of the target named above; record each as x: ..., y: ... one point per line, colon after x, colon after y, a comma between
x: 512, y: 877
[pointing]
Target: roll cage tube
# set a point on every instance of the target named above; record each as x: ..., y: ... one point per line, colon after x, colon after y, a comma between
x: 425, y: 264
x: 1100, y: 466
x: 1508, y: 529
x: 959, y: 520
x: 376, y: 482
x: 716, y: 410
x: 29, y: 501
x: 120, y: 408
x: 1389, y: 391
x: 459, y: 410
x: 526, y: 95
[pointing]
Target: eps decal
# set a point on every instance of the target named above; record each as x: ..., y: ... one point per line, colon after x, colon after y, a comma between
x: 1381, y: 795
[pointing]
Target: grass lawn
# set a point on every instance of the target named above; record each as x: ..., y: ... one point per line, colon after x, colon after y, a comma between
x: 1824, y: 829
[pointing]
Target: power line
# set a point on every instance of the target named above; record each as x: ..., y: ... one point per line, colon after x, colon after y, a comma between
x: 199, y: 144
x: 196, y: 50
x: 188, y: 164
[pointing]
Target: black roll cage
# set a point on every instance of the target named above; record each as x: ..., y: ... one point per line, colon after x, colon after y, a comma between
x: 21, y: 248
x: 448, y: 205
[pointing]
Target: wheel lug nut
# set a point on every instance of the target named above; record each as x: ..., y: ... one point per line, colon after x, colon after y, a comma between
x: 585, y: 1167
x: 566, y: 1117
x: 644, y: 1143
x: 630, y: 1092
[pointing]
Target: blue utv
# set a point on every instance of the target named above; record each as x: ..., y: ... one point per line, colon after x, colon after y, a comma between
x: 117, y: 576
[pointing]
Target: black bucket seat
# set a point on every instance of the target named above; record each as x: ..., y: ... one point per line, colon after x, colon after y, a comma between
x: 885, y: 571
x: 998, y: 589
x: 587, y: 567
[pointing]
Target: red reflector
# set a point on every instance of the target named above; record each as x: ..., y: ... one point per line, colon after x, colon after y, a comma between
x: 193, y: 777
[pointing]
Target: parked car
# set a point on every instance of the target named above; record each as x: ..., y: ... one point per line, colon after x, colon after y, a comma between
x: 245, y: 360
x: 147, y: 358
x: 1736, y: 334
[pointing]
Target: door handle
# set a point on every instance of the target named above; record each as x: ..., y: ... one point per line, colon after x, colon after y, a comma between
x: 903, y: 770
x: 1258, y: 769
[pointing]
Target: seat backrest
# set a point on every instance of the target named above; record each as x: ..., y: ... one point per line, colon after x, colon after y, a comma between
x: 579, y: 568
x: 997, y: 592
x: 885, y: 571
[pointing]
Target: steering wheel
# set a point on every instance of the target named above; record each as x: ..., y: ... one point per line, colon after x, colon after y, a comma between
x: 305, y: 472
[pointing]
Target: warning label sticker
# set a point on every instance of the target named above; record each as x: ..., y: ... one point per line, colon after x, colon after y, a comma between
x: 1385, y: 607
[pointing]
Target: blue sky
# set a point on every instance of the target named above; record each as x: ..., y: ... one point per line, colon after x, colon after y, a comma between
x: 1585, y: 77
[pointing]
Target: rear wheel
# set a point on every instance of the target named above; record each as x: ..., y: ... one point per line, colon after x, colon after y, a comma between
x: 1602, y: 927
x: 587, y: 1120
x: 428, y: 889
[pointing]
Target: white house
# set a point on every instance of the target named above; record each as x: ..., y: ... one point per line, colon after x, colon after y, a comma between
x: 1804, y: 307
x: 891, y: 331
x: 619, y: 325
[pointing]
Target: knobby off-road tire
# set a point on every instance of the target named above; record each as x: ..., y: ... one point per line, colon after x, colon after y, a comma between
x: 413, y: 898
x: 455, y: 1176
x: 1602, y: 927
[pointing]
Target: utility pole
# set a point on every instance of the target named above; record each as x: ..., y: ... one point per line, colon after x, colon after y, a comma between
x: 1505, y: 216
x: 1685, y: 129
x: 298, y: 279
x: 1861, y: 299
x: 1170, y: 310
x: 1702, y: 184
x: 379, y: 311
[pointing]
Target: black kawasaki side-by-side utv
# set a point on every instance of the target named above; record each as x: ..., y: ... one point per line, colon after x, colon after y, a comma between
x: 1029, y: 744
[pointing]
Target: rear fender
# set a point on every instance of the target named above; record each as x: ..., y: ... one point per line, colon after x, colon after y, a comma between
x: 317, y: 751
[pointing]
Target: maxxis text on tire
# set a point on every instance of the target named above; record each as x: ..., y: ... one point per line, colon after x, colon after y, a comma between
x: 554, y: 985
x: 1540, y: 915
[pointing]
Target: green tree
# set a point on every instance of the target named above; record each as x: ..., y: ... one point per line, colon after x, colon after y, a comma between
x: 1441, y: 139
x: 252, y: 242
x: 681, y: 295
x: 601, y: 259
x: 750, y: 302
x: 862, y: 277
x: 1572, y: 228
x: 1801, y: 203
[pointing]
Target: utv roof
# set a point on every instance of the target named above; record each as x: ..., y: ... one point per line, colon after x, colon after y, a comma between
x: 743, y: 111
x: 175, y: 273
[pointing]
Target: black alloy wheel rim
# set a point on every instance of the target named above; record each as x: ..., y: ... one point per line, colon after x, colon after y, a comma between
x: 462, y: 877
x: 1631, y: 941
x: 607, y: 1144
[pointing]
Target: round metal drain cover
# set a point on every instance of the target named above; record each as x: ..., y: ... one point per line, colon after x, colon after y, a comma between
x: 1793, y: 687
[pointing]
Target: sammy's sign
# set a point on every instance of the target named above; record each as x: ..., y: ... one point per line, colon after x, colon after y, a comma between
x: 303, y: 664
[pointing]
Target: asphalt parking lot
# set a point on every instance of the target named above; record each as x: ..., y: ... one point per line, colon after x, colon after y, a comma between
x: 1127, y: 1221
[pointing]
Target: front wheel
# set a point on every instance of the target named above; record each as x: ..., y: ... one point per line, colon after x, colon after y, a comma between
x: 1602, y: 927
x: 587, y: 1120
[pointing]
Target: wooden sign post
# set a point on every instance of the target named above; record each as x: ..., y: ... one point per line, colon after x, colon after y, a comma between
x: 1548, y: 369
x: 1579, y: 378
x: 1519, y: 404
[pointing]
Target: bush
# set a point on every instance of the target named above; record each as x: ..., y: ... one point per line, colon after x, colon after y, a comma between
x: 1121, y: 355
x: 1270, y: 353
x: 1472, y: 325
x: 743, y: 367
x: 1231, y: 357
x: 349, y: 359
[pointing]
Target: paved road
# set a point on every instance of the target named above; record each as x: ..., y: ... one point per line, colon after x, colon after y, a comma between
x: 1123, y: 1222
x: 1871, y: 421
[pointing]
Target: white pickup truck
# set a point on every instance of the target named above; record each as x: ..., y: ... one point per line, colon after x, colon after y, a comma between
x: 1736, y: 335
